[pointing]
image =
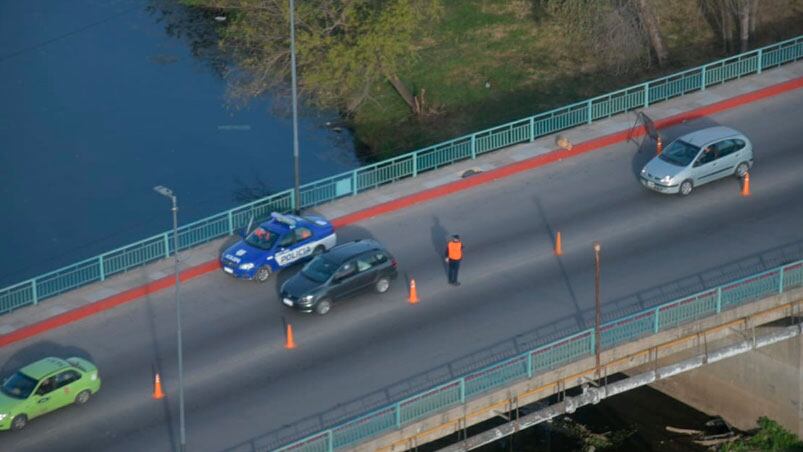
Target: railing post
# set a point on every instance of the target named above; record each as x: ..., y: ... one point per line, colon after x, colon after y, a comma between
x: 462, y: 389
x: 780, y: 281
x: 231, y: 222
x: 589, y: 116
x: 354, y: 183
x: 292, y: 201
x: 529, y: 364
x: 719, y: 299
x: 398, y: 414
x: 415, y: 163
x: 593, y: 341
x: 532, y: 129
x: 657, y: 326
x: 167, y: 246
x: 33, y: 291
x: 702, y: 79
x: 760, y: 61
x: 330, y: 440
x: 646, y: 94
x: 473, y: 146
x: 101, y: 269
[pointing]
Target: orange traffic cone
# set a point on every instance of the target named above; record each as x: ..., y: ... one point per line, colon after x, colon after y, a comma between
x: 157, y: 388
x: 558, y: 245
x: 413, y: 293
x: 659, y: 146
x: 746, y: 185
x: 291, y: 343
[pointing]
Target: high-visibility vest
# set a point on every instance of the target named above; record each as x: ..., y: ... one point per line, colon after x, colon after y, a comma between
x: 455, y: 251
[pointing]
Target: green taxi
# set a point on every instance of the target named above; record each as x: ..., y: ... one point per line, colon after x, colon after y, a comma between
x: 45, y: 386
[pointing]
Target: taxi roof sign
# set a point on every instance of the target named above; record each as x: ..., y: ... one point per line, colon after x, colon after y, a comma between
x: 286, y: 219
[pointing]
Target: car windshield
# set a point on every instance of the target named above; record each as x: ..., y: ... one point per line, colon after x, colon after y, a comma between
x: 679, y: 153
x: 319, y: 269
x: 19, y: 386
x: 262, y: 238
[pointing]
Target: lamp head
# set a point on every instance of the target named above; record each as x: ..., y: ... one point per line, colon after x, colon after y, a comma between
x: 164, y: 191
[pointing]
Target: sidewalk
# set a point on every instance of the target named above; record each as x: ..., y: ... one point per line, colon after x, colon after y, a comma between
x: 134, y: 284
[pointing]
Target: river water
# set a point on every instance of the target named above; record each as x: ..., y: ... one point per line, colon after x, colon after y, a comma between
x: 101, y: 100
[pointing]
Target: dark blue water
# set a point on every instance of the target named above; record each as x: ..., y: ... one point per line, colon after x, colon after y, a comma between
x: 100, y: 100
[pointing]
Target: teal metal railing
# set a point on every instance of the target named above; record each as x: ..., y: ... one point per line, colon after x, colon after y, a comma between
x: 408, y: 165
x: 558, y: 353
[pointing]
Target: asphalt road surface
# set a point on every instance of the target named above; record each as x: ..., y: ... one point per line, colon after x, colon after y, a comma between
x: 243, y: 388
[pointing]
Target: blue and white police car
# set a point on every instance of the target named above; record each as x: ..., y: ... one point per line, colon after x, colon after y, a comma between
x: 277, y: 243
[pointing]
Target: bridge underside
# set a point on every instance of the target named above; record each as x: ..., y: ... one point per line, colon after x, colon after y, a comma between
x: 764, y: 382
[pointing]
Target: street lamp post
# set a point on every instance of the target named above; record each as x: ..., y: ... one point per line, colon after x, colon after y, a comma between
x: 598, y: 345
x: 168, y: 193
x: 296, y: 171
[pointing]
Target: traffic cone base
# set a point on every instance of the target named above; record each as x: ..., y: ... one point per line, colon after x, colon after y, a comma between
x: 157, y: 388
x: 290, y: 343
x: 558, y: 245
x: 413, y: 293
x: 746, y: 185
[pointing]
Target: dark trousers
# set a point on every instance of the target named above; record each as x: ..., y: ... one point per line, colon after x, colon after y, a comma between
x: 454, y: 267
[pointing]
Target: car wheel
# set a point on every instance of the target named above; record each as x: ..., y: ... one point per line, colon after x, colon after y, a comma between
x: 686, y: 187
x: 83, y: 397
x: 19, y: 422
x: 318, y: 250
x: 323, y: 307
x: 262, y: 274
x: 741, y: 169
x: 382, y: 285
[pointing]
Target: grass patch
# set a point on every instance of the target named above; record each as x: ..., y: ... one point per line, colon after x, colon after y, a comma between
x: 493, y: 61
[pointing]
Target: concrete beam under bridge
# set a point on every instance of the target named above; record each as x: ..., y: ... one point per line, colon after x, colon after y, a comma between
x: 648, y: 351
x: 764, y: 382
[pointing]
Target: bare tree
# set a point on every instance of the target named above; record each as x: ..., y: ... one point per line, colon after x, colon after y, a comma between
x: 744, y: 11
x: 650, y: 24
x: 610, y: 31
x: 731, y: 20
x: 753, y: 16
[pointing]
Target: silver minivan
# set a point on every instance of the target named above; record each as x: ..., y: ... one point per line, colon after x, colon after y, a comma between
x: 698, y: 158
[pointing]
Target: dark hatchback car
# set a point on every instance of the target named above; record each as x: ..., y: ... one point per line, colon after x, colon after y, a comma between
x: 337, y: 273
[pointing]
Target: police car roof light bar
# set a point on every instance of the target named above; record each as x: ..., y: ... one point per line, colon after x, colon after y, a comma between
x: 286, y: 219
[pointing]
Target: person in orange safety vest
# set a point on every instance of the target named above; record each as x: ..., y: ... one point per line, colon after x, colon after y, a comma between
x: 453, y: 256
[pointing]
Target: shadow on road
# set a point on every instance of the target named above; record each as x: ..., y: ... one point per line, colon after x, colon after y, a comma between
x: 552, y: 234
x: 439, y: 236
x: 39, y: 350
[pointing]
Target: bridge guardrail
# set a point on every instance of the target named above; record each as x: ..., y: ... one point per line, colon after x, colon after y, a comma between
x: 408, y: 165
x: 558, y: 353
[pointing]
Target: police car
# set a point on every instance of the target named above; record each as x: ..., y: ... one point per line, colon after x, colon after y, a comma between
x: 276, y: 244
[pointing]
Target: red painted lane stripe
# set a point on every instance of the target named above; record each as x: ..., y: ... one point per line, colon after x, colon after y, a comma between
x: 105, y: 304
x: 557, y: 155
x: 398, y: 204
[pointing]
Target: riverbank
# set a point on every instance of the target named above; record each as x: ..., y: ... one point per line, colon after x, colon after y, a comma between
x: 409, y: 74
x: 492, y: 61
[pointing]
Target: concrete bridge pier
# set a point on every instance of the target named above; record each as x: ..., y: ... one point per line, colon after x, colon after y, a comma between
x: 763, y: 382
